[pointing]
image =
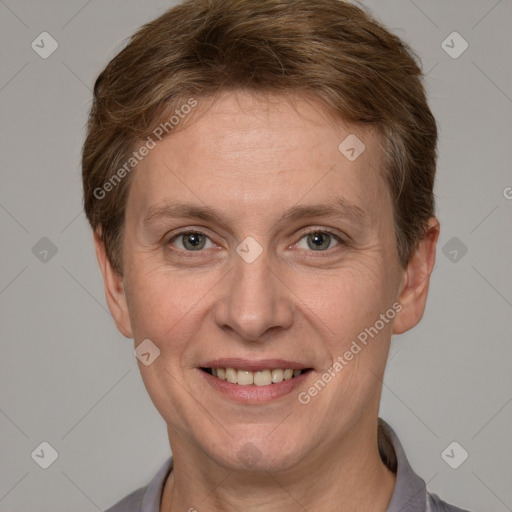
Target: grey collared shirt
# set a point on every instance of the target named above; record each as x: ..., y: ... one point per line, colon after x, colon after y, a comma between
x: 409, y: 495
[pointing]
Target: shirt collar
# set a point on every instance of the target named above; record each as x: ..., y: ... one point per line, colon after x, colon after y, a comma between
x: 409, y: 494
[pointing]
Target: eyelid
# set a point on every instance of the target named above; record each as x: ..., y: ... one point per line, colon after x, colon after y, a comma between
x: 310, y: 230
x: 325, y: 231
x: 189, y: 231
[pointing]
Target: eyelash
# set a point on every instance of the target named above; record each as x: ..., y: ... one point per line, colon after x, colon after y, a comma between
x: 187, y: 254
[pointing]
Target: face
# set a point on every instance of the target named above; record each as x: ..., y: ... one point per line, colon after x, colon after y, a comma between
x: 253, y: 243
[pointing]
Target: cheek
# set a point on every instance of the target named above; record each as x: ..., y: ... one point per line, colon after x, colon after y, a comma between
x: 165, y: 308
x: 165, y: 305
x: 357, y: 313
x: 347, y: 300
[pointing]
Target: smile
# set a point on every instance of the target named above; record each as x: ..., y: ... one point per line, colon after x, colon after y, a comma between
x: 263, y: 377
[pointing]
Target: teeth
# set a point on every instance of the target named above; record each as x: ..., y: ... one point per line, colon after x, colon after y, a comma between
x: 231, y: 375
x: 277, y: 376
x: 263, y: 378
x: 245, y: 378
x: 288, y: 374
x: 259, y: 378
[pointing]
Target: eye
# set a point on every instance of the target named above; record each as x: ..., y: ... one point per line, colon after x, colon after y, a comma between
x: 192, y: 241
x: 319, y: 240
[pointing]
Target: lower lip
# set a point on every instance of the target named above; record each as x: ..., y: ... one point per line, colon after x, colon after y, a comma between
x: 251, y: 393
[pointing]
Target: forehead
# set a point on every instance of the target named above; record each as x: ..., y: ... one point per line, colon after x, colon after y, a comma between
x: 262, y: 152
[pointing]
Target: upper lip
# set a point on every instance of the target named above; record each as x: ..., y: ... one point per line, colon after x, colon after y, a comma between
x: 254, y: 365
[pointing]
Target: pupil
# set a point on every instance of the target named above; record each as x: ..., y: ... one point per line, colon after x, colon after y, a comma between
x: 194, y: 240
x: 318, y: 239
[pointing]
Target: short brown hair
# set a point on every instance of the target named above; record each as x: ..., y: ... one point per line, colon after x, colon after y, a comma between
x: 329, y: 49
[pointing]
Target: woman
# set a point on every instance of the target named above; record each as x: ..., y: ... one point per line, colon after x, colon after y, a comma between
x: 259, y: 179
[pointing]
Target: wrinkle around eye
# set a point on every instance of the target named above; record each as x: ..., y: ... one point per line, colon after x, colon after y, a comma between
x: 337, y: 245
x: 333, y: 236
x: 181, y: 235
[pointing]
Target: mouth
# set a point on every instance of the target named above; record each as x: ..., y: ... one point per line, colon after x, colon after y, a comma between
x: 252, y: 382
x: 263, y: 377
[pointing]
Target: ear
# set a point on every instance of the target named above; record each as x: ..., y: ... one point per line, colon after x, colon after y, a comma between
x: 114, y: 289
x: 416, y: 279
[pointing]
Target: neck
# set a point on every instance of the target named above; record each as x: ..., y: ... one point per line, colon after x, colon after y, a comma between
x: 349, y: 477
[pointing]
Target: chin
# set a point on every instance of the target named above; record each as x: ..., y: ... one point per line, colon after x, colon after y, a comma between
x: 257, y: 454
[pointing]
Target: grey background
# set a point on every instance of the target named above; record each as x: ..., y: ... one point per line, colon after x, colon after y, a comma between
x: 69, y: 378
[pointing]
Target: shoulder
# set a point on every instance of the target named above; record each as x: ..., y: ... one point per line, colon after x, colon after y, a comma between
x: 436, y: 504
x: 146, y: 499
x: 130, y: 503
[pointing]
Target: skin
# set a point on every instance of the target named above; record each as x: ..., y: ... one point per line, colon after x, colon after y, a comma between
x: 253, y: 158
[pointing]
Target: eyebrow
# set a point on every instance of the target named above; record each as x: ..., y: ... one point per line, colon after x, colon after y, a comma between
x: 337, y: 208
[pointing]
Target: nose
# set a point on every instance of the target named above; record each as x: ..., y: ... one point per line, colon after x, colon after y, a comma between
x: 254, y: 300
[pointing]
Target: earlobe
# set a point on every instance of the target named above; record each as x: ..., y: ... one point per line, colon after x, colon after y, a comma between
x: 416, y: 280
x: 114, y: 289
